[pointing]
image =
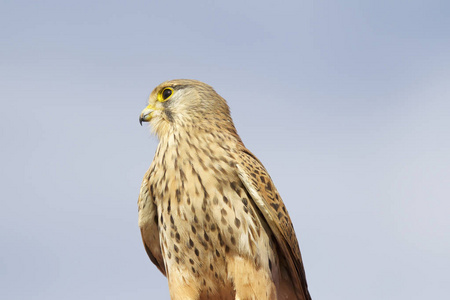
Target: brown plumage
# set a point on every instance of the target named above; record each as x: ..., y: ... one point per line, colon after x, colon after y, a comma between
x: 210, y: 216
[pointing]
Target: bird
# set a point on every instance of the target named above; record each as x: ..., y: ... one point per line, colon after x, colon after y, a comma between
x: 210, y: 217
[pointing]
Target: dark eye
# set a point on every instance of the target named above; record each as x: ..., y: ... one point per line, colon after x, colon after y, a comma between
x: 166, y: 93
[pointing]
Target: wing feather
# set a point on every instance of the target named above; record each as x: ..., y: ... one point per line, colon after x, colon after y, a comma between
x: 148, y: 223
x: 260, y: 186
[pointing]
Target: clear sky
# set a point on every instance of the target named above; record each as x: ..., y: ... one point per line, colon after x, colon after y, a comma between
x: 347, y: 103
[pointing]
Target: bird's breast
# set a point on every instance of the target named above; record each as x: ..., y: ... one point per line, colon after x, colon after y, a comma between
x: 204, y: 212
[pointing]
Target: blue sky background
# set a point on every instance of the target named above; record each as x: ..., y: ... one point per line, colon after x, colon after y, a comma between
x: 346, y: 103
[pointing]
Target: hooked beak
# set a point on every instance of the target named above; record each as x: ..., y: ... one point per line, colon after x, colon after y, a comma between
x: 146, y: 114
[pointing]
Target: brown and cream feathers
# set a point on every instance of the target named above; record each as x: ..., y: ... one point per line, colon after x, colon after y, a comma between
x: 210, y: 216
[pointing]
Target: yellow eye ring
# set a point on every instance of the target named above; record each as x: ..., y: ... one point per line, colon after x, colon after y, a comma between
x: 165, y: 94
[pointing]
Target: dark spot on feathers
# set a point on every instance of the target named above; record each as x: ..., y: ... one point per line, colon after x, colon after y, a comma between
x: 220, y: 239
x: 235, y: 187
x: 204, y: 204
x: 275, y: 205
x: 178, y: 195
x: 219, y: 186
x: 182, y: 175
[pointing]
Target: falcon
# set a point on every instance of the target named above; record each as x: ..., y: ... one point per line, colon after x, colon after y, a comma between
x: 210, y: 216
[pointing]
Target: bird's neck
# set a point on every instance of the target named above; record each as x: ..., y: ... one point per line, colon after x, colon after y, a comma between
x: 196, y: 142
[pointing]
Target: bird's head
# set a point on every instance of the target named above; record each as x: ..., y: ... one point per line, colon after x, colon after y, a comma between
x: 187, y: 104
